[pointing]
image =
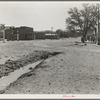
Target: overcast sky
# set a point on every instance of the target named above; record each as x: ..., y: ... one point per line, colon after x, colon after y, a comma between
x: 39, y: 15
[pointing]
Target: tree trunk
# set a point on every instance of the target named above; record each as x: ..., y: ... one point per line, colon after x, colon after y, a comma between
x: 83, y: 39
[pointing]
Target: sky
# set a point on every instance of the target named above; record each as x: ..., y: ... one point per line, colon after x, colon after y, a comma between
x: 39, y: 15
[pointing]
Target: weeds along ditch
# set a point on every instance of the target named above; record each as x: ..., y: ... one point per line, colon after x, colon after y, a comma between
x: 11, y: 65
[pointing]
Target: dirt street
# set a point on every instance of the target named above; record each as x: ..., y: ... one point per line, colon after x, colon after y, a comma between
x: 76, y: 70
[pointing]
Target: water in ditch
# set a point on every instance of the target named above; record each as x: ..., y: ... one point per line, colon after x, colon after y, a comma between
x: 13, y: 76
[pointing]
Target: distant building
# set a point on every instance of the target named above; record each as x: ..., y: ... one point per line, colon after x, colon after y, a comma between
x: 91, y: 35
x: 1, y: 32
x: 27, y: 33
x: 39, y: 35
x: 1, y: 35
x: 52, y: 35
x: 19, y: 33
x: 46, y: 35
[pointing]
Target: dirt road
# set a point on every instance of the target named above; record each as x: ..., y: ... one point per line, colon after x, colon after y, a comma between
x: 75, y: 71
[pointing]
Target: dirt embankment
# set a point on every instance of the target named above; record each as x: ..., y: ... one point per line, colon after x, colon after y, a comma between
x: 11, y: 65
x: 76, y: 71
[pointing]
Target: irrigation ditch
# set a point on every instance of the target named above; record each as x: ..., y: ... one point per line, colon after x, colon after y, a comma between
x: 12, y: 70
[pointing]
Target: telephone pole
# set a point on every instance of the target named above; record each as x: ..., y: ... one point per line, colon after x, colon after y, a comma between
x: 17, y: 35
x: 98, y: 25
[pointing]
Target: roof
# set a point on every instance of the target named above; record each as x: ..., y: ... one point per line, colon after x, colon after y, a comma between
x: 51, y: 34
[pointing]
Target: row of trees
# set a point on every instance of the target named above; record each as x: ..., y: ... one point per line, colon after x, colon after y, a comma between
x: 67, y: 34
x: 83, y: 19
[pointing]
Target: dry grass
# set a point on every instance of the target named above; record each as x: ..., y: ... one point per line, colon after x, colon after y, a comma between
x: 75, y: 71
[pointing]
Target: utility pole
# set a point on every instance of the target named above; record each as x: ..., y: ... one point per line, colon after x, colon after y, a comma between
x: 17, y: 35
x: 98, y: 26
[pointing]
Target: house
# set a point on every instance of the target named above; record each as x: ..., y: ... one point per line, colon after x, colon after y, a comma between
x: 91, y: 35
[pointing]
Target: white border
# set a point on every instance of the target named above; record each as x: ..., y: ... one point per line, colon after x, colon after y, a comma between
x: 51, y: 96
x: 47, y: 96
